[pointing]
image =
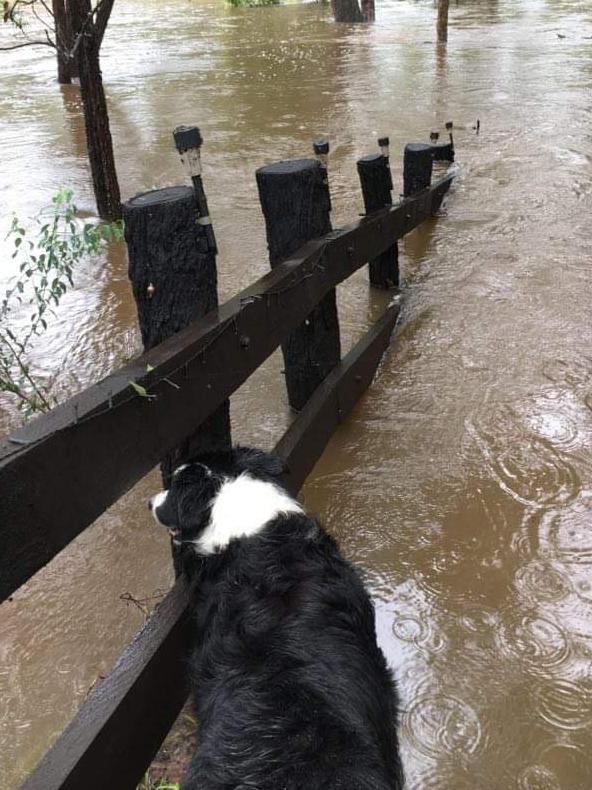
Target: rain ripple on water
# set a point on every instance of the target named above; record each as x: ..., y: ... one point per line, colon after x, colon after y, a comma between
x: 540, y: 581
x: 539, y: 642
x: 565, y: 704
x: 528, y: 468
x: 565, y: 533
x: 439, y: 724
x: 537, y: 777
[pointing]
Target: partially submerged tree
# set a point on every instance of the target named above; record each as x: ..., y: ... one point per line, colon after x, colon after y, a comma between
x: 443, y: 20
x: 75, y: 30
x: 368, y: 11
x: 350, y: 11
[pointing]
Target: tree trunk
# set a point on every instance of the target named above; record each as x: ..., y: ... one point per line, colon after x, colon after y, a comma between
x: 63, y: 39
x: 70, y: 15
x: 443, y: 20
x: 101, y: 20
x: 346, y: 11
x: 96, y: 118
x: 368, y: 10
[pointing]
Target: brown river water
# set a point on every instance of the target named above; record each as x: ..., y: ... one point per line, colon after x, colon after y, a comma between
x: 462, y: 484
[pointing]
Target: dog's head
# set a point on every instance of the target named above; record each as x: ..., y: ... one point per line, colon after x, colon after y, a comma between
x: 204, y: 509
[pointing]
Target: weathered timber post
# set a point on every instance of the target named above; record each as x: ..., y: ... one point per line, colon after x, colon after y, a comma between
x: 417, y: 168
x: 321, y: 150
x: 449, y: 127
x: 443, y: 152
x: 172, y: 268
x: 376, y: 182
x: 295, y: 201
x: 443, y: 20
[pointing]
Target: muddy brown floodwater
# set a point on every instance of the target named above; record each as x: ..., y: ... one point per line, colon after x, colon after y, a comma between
x: 463, y: 482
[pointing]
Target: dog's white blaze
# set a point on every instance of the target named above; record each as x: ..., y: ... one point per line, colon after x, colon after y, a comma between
x: 242, y: 507
x: 156, y: 501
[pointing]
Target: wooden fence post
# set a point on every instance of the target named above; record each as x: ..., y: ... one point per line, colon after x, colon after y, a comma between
x: 442, y: 152
x: 449, y: 127
x: 376, y: 181
x: 295, y: 202
x: 172, y: 268
x: 321, y: 150
x: 417, y: 168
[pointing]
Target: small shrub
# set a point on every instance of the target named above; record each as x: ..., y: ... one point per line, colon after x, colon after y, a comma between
x: 45, y: 271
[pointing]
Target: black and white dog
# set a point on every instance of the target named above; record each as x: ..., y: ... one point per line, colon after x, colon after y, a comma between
x: 292, y: 691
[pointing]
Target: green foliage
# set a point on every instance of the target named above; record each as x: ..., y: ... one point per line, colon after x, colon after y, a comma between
x: 46, y: 267
x: 252, y: 3
x: 12, y: 13
x: 160, y: 784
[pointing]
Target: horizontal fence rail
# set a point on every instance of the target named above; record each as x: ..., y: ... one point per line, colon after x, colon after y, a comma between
x: 118, y: 730
x: 65, y: 469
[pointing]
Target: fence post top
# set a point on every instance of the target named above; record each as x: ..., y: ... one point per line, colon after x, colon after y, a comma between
x: 187, y: 137
x: 289, y: 167
x: 371, y: 159
x: 157, y: 197
x: 321, y: 146
x: 417, y: 148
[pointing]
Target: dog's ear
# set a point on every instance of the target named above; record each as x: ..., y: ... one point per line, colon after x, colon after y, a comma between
x: 194, y: 492
x: 258, y: 463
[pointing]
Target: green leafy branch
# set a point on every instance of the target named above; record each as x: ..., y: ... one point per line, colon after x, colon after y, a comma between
x: 45, y: 273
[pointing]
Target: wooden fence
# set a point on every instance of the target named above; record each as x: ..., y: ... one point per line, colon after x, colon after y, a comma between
x: 63, y: 470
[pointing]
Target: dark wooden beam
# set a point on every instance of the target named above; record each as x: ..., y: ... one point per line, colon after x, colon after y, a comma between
x: 64, y: 469
x: 116, y: 733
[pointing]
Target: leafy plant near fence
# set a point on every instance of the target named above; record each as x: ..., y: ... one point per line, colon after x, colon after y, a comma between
x: 159, y: 784
x: 47, y: 257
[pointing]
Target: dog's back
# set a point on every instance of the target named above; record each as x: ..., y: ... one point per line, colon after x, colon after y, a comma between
x: 292, y: 691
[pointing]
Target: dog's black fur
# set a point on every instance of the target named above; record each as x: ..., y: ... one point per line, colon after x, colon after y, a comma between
x: 292, y: 691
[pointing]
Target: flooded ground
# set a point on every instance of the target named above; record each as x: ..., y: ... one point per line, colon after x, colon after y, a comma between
x: 463, y: 482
